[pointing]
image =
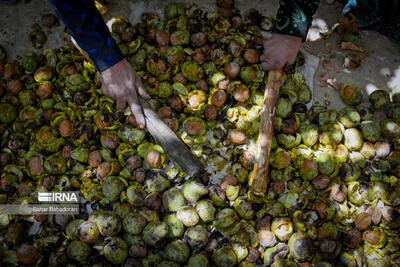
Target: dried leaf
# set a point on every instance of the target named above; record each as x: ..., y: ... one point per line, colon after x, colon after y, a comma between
x: 350, y: 46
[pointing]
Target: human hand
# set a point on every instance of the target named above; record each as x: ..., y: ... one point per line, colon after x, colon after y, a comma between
x: 279, y: 50
x: 123, y: 84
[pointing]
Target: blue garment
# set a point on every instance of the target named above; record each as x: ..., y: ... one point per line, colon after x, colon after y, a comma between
x: 87, y: 27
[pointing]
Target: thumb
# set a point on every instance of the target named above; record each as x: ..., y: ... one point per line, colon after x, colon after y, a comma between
x: 141, y: 90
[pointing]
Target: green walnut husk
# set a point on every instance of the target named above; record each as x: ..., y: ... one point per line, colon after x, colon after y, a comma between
x: 116, y: 250
x: 305, y: 251
x: 78, y: 251
x: 349, y: 117
x: 309, y: 134
x: 175, y: 227
x: 154, y: 232
x: 379, y: 99
x: 173, y: 199
x: 192, y: 71
x: 8, y: 113
x: 351, y: 95
x: 370, y: 131
x: 177, y: 251
x: 134, y: 223
x: 224, y: 257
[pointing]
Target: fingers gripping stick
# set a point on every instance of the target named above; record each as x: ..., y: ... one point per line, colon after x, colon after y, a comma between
x: 271, y: 95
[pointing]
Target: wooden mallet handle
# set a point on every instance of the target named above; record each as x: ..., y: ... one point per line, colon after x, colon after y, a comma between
x: 260, y: 172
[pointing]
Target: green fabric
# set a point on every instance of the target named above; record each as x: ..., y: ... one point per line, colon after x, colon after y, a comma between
x: 295, y: 16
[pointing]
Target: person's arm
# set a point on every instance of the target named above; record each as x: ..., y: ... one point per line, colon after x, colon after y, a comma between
x: 293, y: 20
x: 88, y: 29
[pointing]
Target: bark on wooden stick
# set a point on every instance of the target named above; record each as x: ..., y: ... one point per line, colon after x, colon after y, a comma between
x: 267, y: 114
x: 172, y: 144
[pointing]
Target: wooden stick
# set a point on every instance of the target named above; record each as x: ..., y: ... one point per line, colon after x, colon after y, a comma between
x: 260, y: 172
x: 172, y: 144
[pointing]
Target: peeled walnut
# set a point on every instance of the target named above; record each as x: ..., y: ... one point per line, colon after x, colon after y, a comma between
x: 44, y: 91
x: 27, y: 254
x: 162, y: 37
x: 353, y: 238
x: 49, y: 182
x: 210, y: 112
x: 376, y: 214
x: 128, y: 34
x: 218, y: 98
x: 95, y: 158
x: 232, y: 70
x: 28, y: 115
x: 236, y: 21
x: 228, y: 180
x: 178, y: 78
x: 131, y: 120
x: 165, y: 112
x: 16, y: 142
x: 237, y: 136
x: 66, y: 152
x: 251, y: 56
x: 35, y: 165
x: 110, y: 141
x: 241, y: 93
x: 224, y: 84
x: 339, y: 192
x: 154, y: 159
x: 248, y: 158
x: 66, y: 128
x: 47, y: 115
x: 363, y: 221
x: 278, y: 187
x: 289, y: 126
x: 171, y: 123
x: 253, y: 255
x: 133, y: 162
x: 264, y: 224
x: 103, y: 169
x: 320, y: 208
x: 373, y: 237
x: 321, y: 182
x: 71, y: 70
x: 175, y: 102
x: 14, y: 86
x: 199, y: 56
x: 202, y: 85
x: 266, y: 238
x: 193, y: 127
x: 235, y: 48
x: 102, y: 121
x: 382, y: 149
x: 4, y: 158
x: 195, y: 100
x: 198, y: 39
x: 153, y: 201
x: 140, y: 175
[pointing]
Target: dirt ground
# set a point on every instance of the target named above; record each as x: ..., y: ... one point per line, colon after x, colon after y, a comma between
x: 380, y: 69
